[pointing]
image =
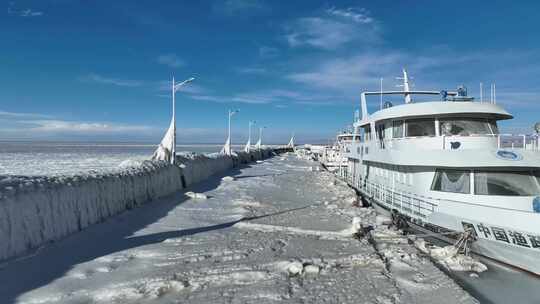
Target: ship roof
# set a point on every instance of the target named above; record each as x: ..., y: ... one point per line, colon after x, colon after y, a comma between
x: 440, y: 108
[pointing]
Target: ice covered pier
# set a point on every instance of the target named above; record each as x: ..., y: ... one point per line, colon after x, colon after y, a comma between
x: 272, y: 231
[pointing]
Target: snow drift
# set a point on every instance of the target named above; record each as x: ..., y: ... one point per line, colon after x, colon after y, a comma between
x: 36, y: 210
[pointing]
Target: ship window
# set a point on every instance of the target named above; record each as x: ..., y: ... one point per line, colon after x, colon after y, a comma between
x: 467, y: 127
x: 420, y: 127
x: 397, y: 129
x: 455, y: 181
x: 367, y: 132
x: 524, y: 183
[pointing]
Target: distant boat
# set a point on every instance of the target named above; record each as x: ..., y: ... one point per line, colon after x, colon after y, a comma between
x: 442, y: 166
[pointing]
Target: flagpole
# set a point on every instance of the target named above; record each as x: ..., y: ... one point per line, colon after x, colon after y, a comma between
x: 173, y: 154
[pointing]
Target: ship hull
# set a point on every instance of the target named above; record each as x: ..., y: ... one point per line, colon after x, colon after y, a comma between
x: 523, y: 258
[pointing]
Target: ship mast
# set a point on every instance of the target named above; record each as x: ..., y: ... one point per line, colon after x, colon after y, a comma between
x: 406, y: 87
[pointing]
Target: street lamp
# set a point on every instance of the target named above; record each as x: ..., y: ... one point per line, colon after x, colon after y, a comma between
x: 176, y: 87
x: 229, y: 142
x: 248, y: 145
x: 259, y: 143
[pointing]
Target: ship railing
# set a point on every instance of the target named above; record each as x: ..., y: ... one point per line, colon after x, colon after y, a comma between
x: 518, y: 141
x: 504, y: 141
x: 419, y: 205
x: 406, y: 202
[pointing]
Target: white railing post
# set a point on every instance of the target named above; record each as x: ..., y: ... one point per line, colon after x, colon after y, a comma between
x: 524, y: 141
x: 499, y: 141
x: 443, y: 142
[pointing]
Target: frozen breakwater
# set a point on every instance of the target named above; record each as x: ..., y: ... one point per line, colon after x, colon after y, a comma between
x: 37, y: 210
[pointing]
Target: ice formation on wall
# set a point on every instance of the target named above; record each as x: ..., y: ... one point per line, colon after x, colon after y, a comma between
x: 35, y: 210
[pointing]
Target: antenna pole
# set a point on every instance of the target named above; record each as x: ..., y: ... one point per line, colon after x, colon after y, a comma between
x: 381, y: 95
x: 494, y: 94
x: 481, y: 92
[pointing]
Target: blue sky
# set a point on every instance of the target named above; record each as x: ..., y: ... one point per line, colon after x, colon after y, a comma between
x: 100, y: 70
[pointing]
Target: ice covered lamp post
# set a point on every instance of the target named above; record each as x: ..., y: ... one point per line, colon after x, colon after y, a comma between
x: 227, y: 148
x: 259, y: 143
x: 167, y: 148
x: 248, y: 144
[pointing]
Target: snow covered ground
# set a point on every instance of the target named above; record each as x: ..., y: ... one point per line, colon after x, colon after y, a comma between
x: 274, y: 231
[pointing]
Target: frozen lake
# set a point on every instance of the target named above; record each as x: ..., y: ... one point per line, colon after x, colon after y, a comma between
x: 54, y: 158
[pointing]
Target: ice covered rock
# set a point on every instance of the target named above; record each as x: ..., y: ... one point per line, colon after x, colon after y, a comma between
x: 227, y: 179
x: 295, y: 268
x: 382, y: 220
x: 195, y: 195
x: 356, y: 224
x: 130, y: 163
x: 311, y: 269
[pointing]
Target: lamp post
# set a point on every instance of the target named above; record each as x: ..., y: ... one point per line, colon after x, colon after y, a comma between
x: 247, y: 148
x: 231, y: 114
x: 259, y: 143
x: 176, y: 87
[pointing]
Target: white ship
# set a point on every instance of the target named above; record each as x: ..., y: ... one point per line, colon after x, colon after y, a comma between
x: 443, y: 166
x: 332, y: 156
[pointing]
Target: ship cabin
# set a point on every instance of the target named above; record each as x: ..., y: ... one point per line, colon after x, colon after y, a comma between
x: 434, y: 126
x: 446, y: 149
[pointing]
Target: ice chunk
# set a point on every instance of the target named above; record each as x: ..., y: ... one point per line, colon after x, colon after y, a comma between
x: 311, y: 269
x: 450, y: 257
x: 295, y: 268
x: 382, y: 220
x: 227, y: 179
x: 196, y: 195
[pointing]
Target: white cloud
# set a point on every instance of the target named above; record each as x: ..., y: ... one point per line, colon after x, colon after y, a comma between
x: 111, y: 81
x: 73, y: 127
x: 358, y: 15
x: 209, y: 98
x: 170, y: 60
x: 14, y: 115
x: 23, y: 12
x: 362, y: 71
x: 30, y: 13
x: 34, y: 126
x: 334, y: 29
x: 349, y: 74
